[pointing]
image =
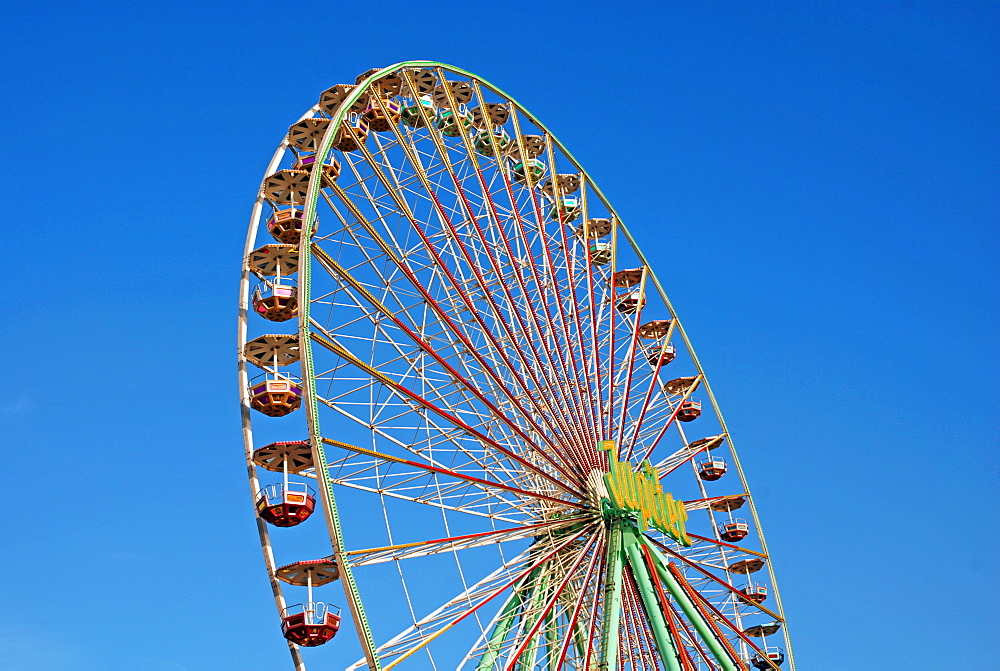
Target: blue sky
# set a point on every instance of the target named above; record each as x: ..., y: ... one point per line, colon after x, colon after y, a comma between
x: 815, y: 183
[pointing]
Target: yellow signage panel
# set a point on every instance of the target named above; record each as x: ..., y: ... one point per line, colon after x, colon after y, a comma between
x: 641, y: 493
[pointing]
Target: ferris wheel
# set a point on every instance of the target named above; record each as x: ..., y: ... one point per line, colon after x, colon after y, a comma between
x: 471, y: 416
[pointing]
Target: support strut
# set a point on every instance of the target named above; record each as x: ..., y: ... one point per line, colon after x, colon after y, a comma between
x: 705, y: 631
x: 665, y: 645
x: 612, y: 601
x: 508, y: 614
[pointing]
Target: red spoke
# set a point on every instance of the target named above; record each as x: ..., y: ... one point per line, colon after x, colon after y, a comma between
x: 598, y: 600
x: 506, y: 327
x: 440, y: 412
x: 595, y: 350
x: 425, y: 346
x: 635, y: 614
x: 673, y: 416
x: 552, y: 276
x: 631, y: 361
x: 667, y: 609
x: 590, y: 417
x: 581, y: 442
x: 701, y: 602
x: 470, y: 348
x: 694, y: 640
x: 442, y: 267
x: 453, y: 474
x: 540, y: 618
x: 708, y: 574
x: 516, y: 219
x: 654, y: 378
x: 597, y: 558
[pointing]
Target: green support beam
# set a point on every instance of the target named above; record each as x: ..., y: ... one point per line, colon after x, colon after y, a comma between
x: 508, y: 614
x: 551, y: 640
x: 704, y: 630
x: 527, y: 660
x: 612, y: 600
x: 654, y: 610
x: 580, y: 639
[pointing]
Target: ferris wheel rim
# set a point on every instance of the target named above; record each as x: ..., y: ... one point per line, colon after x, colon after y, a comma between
x: 306, y: 339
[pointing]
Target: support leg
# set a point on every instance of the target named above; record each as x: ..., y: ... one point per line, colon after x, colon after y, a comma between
x: 527, y: 660
x: 725, y: 661
x: 654, y: 611
x: 608, y: 660
x: 508, y: 614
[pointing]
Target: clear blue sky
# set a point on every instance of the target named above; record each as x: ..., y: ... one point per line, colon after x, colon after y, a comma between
x: 816, y: 184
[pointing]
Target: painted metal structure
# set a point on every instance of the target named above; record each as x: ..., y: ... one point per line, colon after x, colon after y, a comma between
x: 480, y: 347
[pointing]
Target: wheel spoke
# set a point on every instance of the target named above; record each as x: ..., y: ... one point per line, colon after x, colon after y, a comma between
x: 468, y: 602
x: 405, y: 393
x: 469, y: 348
x: 432, y: 547
x: 547, y: 607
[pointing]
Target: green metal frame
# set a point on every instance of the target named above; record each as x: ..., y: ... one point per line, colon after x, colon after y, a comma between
x: 625, y: 549
x: 701, y: 626
x: 608, y: 660
x: 620, y: 549
x: 503, y: 625
x: 527, y: 660
x: 665, y: 644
